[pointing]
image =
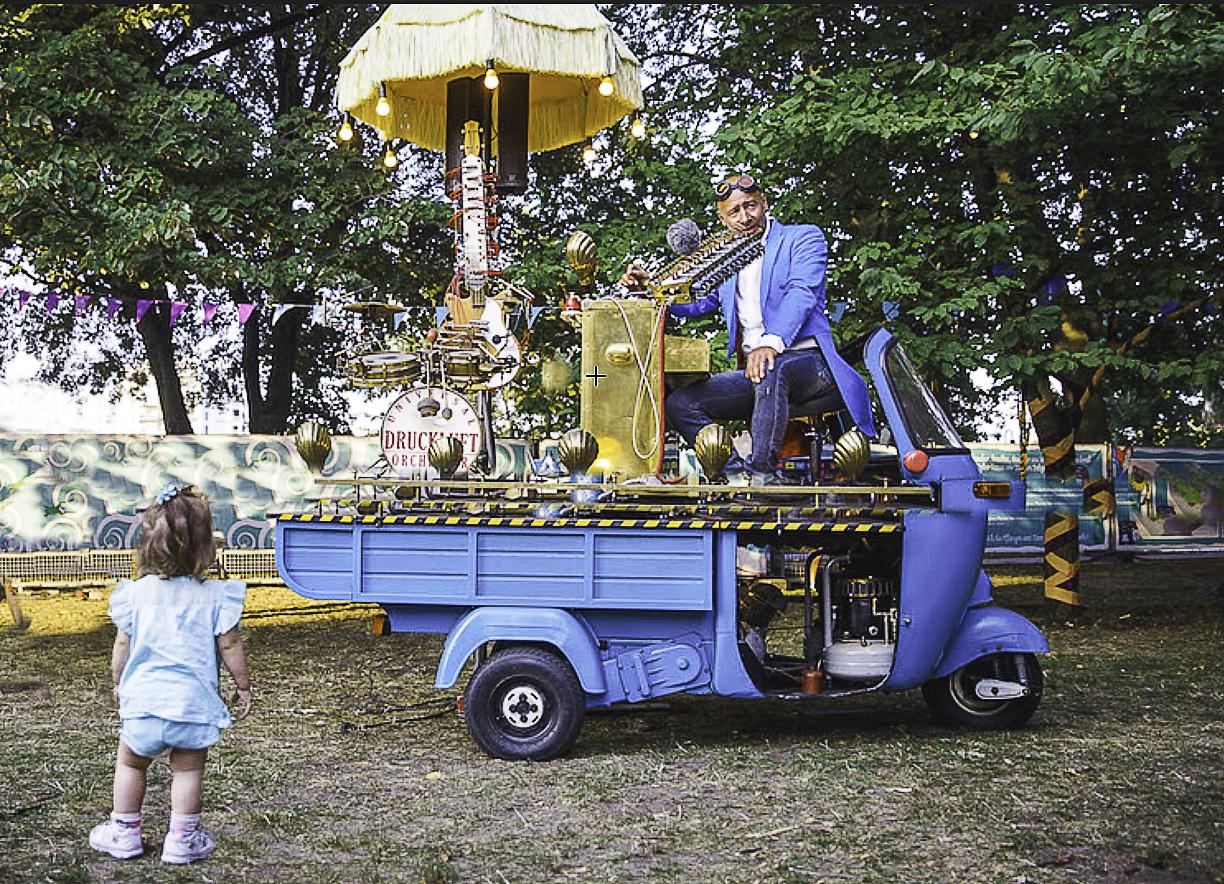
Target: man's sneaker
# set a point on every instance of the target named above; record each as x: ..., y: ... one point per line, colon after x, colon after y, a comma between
x: 194, y: 845
x: 121, y: 842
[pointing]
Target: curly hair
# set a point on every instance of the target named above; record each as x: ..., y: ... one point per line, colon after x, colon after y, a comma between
x: 176, y: 537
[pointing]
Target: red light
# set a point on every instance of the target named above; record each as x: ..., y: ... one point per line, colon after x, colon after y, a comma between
x: 916, y: 461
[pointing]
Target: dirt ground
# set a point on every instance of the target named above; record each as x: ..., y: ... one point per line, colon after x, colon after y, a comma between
x: 353, y: 768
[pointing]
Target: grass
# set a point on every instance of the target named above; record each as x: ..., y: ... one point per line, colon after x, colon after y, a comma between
x: 354, y: 768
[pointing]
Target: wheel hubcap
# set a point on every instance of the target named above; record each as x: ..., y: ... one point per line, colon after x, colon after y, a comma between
x: 523, y: 706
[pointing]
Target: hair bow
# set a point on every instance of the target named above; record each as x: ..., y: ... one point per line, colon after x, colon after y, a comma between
x: 167, y: 494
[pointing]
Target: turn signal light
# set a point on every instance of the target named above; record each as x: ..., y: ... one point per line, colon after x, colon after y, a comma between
x: 916, y: 461
x: 992, y: 490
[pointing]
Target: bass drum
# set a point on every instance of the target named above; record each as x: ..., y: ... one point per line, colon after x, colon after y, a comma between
x: 387, y: 368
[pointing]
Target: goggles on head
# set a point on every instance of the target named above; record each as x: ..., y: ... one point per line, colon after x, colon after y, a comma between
x: 745, y: 183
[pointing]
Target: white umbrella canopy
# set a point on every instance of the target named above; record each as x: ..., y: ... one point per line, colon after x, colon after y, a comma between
x: 415, y: 50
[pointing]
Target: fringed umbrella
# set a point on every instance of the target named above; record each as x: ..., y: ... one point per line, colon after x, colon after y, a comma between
x: 583, y: 78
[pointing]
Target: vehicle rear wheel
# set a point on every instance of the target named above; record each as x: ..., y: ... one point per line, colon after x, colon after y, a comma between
x: 524, y: 702
x: 954, y: 697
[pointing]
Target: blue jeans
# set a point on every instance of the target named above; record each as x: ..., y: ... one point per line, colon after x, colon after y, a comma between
x: 797, y: 376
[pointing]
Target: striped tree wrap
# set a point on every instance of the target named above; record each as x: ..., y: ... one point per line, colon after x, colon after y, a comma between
x: 1062, y: 560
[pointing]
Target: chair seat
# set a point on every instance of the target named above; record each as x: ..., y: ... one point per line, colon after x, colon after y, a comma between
x: 824, y: 402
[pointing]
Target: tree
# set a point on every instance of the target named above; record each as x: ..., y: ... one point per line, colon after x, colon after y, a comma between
x: 189, y: 149
x: 1025, y: 187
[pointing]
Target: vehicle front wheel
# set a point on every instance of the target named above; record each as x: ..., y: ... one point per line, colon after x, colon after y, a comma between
x: 954, y: 698
x: 524, y: 702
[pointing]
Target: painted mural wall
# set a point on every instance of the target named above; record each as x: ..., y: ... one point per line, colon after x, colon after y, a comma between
x: 87, y: 492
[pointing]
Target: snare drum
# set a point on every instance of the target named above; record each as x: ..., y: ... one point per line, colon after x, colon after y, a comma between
x: 465, y: 366
x: 387, y: 368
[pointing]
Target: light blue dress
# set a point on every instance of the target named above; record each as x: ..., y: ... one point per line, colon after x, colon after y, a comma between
x: 173, y: 622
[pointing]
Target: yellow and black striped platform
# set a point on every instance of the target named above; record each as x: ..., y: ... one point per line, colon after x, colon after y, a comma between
x: 486, y: 521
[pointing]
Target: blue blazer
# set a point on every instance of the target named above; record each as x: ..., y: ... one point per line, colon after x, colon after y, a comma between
x: 793, y: 307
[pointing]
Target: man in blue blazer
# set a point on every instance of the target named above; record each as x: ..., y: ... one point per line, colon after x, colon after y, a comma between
x: 775, y: 309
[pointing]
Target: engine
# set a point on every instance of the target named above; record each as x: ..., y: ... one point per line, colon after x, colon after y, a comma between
x: 849, y: 618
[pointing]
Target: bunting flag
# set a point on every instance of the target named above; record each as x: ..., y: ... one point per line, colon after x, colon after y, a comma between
x: 319, y: 313
x: 837, y: 311
x: 890, y: 310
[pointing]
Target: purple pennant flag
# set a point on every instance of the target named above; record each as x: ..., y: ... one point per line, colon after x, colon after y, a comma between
x: 52, y: 301
x: 534, y: 315
x: 142, y: 307
x: 244, y: 313
x: 440, y: 314
x: 80, y: 302
x: 112, y: 307
x: 210, y: 310
x: 22, y: 297
x: 176, y: 310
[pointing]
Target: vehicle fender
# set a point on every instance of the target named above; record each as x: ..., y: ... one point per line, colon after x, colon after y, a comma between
x: 549, y: 626
x: 990, y: 630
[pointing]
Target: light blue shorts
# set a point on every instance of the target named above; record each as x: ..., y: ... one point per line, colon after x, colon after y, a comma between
x: 151, y: 736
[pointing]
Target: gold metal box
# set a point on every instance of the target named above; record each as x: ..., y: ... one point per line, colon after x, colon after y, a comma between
x: 622, y: 386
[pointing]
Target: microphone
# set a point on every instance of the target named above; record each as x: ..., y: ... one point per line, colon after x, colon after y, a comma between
x: 684, y: 236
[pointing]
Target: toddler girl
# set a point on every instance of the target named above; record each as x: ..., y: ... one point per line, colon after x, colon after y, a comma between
x: 173, y: 625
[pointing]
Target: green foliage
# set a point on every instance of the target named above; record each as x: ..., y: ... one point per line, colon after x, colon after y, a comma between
x: 132, y: 164
x: 962, y: 161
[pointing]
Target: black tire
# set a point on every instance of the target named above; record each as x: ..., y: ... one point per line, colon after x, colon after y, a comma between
x: 952, y: 698
x: 524, y: 702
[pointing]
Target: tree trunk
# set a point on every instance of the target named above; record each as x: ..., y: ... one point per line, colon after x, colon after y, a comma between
x: 269, y: 407
x: 154, y: 330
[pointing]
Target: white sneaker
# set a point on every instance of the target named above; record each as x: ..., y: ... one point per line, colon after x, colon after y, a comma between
x: 195, y: 845
x: 121, y: 842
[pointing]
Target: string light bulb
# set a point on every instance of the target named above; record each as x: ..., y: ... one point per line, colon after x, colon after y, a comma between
x: 383, y: 108
x: 606, y: 87
x: 389, y: 159
x: 345, y: 133
x: 588, y: 153
x: 491, y: 81
x: 638, y: 128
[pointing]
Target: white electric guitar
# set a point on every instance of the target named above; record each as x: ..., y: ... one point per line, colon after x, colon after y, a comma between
x: 469, y: 300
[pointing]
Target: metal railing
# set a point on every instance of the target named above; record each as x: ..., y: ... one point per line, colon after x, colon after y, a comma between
x: 70, y: 569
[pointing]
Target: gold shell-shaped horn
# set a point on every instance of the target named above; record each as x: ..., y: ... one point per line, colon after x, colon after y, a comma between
x: 583, y: 256
x: 577, y: 450
x: 850, y: 453
x: 313, y: 444
x: 713, y: 448
x: 444, y: 455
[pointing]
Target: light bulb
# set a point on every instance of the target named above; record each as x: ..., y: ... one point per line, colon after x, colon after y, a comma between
x: 346, y: 131
x: 390, y: 160
x: 490, y: 80
x: 383, y: 107
x: 588, y: 153
x: 606, y: 87
x: 637, y: 128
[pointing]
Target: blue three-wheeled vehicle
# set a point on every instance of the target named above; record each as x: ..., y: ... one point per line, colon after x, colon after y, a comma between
x: 567, y: 604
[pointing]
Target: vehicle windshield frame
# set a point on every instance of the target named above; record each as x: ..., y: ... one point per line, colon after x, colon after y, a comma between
x: 927, y: 425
